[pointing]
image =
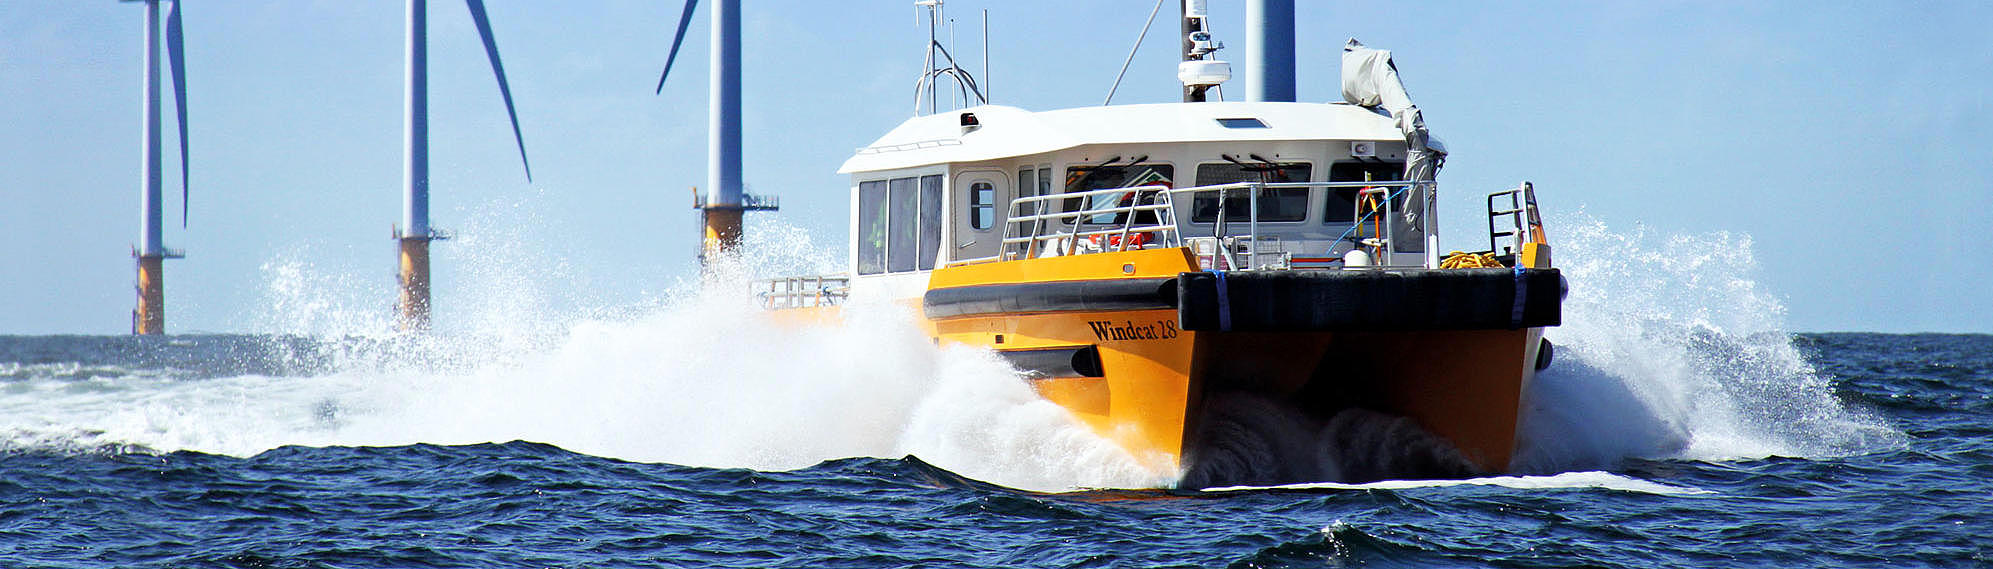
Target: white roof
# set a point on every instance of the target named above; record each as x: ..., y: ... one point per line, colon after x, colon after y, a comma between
x: 1010, y: 131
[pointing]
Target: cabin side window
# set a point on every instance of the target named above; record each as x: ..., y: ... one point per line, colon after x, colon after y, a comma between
x: 1341, y: 202
x: 902, y: 229
x: 1031, y: 182
x: 982, y: 205
x: 1105, y: 176
x: 1034, y: 182
x: 1276, y: 204
x: 872, y: 227
x: 1044, y: 181
x: 930, y: 222
x: 899, y: 224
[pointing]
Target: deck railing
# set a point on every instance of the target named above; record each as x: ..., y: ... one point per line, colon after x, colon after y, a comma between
x: 1120, y: 219
x: 804, y: 291
x: 1523, y: 224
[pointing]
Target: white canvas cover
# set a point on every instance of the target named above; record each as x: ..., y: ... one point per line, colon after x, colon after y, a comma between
x: 1370, y: 80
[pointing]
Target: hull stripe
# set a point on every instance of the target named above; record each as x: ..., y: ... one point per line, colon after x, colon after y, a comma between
x: 1051, y: 296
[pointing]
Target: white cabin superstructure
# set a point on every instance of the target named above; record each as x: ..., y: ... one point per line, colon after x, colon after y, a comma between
x: 939, y: 189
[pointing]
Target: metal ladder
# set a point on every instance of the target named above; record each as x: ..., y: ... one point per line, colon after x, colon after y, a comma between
x: 1524, y: 222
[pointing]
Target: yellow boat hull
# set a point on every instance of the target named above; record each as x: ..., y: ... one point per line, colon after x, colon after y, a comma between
x: 1099, y: 335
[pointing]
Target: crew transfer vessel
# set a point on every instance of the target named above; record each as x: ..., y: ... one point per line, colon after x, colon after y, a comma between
x: 1244, y: 292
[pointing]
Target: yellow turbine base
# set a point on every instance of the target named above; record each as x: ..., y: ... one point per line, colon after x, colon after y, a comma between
x: 721, y: 236
x: 149, y: 318
x: 412, y: 304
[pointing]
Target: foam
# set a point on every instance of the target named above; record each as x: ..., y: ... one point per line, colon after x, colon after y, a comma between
x: 1669, y: 350
x: 702, y: 377
x: 1567, y: 480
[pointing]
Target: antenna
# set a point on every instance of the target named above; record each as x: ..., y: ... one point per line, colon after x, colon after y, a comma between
x: 951, y: 47
x: 967, y: 91
x: 1200, y: 69
x: 987, y: 86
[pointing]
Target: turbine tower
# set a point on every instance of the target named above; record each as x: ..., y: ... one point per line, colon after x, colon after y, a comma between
x: 721, y: 208
x: 149, y: 317
x: 414, y: 234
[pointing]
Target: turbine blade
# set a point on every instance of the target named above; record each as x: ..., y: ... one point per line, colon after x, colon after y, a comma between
x: 498, y: 69
x: 684, y: 21
x: 176, y: 54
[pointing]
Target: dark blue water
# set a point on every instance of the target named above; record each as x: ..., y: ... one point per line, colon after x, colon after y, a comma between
x: 80, y: 487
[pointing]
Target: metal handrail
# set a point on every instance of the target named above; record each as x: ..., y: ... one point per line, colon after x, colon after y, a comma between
x: 804, y: 291
x: 1071, y: 227
x: 916, y: 145
x: 1522, y: 214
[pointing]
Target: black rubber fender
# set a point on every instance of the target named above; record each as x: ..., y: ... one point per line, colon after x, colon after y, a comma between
x: 1370, y: 300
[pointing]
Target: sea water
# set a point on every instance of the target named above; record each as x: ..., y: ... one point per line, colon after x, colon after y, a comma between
x: 1680, y: 425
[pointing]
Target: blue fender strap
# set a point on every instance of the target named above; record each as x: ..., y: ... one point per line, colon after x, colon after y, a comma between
x: 1522, y: 298
x: 1225, y: 304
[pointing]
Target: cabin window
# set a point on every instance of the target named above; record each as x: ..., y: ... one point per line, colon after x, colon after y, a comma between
x: 1276, y: 204
x: 1341, y: 202
x: 1031, y: 182
x: 902, y: 245
x: 1027, y: 186
x: 899, y: 224
x: 930, y: 221
x: 1104, y: 176
x: 982, y: 205
x: 872, y: 227
x: 1034, y: 183
x: 1241, y: 123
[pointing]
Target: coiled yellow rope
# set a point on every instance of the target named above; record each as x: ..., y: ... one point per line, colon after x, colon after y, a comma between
x: 1459, y: 260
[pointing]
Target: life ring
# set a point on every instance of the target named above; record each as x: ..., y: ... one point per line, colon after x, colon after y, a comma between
x: 1135, y: 240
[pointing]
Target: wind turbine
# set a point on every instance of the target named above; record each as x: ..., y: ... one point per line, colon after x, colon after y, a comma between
x: 415, y: 233
x: 149, y: 317
x: 720, y: 209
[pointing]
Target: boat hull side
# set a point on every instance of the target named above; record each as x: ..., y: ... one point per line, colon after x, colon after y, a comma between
x: 1461, y: 386
x: 1115, y: 307
x: 1129, y: 343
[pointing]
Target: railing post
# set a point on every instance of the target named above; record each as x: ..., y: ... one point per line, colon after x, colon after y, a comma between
x: 1430, y: 191
x: 1037, y: 227
x: 1134, y: 201
x: 1252, y: 226
x: 1388, y: 222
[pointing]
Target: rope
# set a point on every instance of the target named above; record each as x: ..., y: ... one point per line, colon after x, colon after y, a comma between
x: 1459, y: 260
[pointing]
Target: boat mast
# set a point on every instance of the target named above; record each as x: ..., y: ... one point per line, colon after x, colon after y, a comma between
x: 1198, y: 71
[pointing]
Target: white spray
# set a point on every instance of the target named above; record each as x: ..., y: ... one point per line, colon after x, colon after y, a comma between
x: 1670, y: 350
x: 702, y: 377
x: 1667, y: 351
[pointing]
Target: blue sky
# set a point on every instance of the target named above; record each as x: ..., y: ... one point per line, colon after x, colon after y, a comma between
x: 1849, y: 142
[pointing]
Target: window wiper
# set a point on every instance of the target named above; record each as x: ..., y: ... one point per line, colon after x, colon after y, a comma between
x: 1105, y: 167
